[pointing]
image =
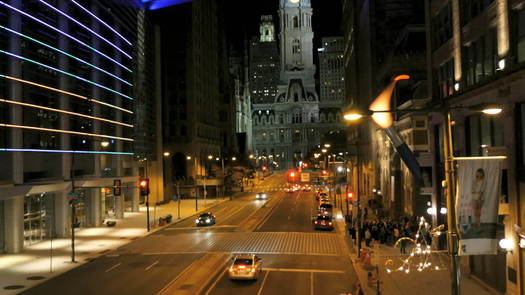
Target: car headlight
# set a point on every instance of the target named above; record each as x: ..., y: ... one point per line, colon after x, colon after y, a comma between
x: 264, y: 196
x: 196, y: 221
x: 208, y: 220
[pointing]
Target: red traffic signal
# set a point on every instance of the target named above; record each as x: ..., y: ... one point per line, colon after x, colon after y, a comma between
x: 324, y: 172
x: 264, y: 168
x: 144, y: 186
x: 350, y: 195
x: 292, y: 174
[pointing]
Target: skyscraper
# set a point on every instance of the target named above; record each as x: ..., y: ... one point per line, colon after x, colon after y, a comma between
x: 331, y: 70
x: 264, y: 63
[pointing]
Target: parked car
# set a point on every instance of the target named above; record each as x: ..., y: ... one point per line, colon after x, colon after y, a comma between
x: 245, y: 267
x: 205, y: 219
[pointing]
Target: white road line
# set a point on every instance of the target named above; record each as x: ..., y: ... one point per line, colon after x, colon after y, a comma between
x: 263, y: 282
x: 312, y: 283
x: 154, y: 263
x: 304, y: 270
x: 216, y: 281
x: 113, y: 267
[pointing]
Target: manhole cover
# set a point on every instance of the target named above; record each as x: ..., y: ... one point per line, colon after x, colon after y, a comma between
x: 35, y: 278
x: 14, y: 287
x: 185, y: 287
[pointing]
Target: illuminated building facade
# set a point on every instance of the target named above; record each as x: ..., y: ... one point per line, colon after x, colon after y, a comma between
x: 72, y: 76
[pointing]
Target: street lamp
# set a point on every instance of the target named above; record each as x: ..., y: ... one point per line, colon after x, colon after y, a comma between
x: 383, y: 118
x: 166, y: 154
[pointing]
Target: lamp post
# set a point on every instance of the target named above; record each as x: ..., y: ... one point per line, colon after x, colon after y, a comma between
x: 449, y: 183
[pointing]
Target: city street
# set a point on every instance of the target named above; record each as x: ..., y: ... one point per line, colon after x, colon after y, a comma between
x: 296, y: 258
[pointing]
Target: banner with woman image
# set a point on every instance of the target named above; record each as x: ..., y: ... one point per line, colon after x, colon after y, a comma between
x: 477, y: 202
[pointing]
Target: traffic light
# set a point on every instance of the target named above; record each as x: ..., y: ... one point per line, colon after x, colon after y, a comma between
x: 350, y: 195
x: 144, y: 186
x: 292, y: 174
x: 324, y: 172
x: 264, y: 168
x: 117, y: 189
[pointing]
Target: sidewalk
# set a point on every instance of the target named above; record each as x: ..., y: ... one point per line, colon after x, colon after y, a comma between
x: 47, y: 259
x: 414, y: 283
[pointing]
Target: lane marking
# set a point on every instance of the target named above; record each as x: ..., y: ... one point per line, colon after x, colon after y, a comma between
x: 263, y: 282
x: 312, y: 283
x: 173, y: 253
x: 177, y: 277
x: 269, y: 214
x: 113, y: 267
x: 305, y: 270
x: 154, y: 263
x: 216, y: 281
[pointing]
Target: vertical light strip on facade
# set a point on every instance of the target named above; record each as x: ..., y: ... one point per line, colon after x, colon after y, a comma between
x: 65, y: 34
x: 65, y: 53
x: 86, y: 28
x: 64, y: 131
x: 101, y: 21
x: 64, y: 151
x: 64, y: 112
x: 64, y: 92
x: 65, y: 73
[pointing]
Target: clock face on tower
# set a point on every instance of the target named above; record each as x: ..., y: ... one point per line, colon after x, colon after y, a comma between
x: 293, y: 1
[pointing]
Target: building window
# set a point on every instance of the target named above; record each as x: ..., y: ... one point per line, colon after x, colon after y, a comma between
x: 296, y: 46
x: 445, y: 77
x: 473, y: 8
x: 295, y: 22
x: 483, y: 132
x: 297, y: 119
x: 442, y: 27
x: 521, y: 36
x: 481, y: 58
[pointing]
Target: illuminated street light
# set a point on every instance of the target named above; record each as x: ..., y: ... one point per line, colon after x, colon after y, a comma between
x: 324, y: 150
x: 210, y: 157
x: 234, y: 159
x: 327, y: 145
x: 104, y: 143
x: 251, y: 156
x: 492, y: 110
x: 166, y: 154
x: 188, y: 158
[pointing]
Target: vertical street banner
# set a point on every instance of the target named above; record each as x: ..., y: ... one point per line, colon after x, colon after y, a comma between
x: 477, y: 201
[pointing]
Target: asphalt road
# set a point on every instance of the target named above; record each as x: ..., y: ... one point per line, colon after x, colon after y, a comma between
x: 296, y: 258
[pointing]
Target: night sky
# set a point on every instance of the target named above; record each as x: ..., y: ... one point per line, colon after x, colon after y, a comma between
x: 243, y: 18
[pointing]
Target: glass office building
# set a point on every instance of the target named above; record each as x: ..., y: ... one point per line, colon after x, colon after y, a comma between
x: 72, y: 75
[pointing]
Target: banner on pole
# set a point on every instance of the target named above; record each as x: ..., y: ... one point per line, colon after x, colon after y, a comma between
x: 477, y: 200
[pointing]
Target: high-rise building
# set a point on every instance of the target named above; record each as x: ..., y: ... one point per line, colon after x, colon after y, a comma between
x: 71, y: 74
x: 331, y: 70
x: 287, y: 128
x: 199, y: 111
x: 264, y: 63
x: 240, y: 71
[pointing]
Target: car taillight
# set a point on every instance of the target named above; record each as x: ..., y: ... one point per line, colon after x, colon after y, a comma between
x: 241, y: 266
x: 329, y: 223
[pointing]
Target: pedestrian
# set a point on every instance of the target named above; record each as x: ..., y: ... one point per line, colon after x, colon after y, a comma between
x: 368, y: 237
x: 403, y: 243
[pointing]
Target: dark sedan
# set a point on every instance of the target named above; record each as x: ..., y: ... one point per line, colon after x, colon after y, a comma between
x: 205, y: 219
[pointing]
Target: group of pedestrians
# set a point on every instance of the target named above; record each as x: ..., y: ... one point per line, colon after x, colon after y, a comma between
x: 388, y: 231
